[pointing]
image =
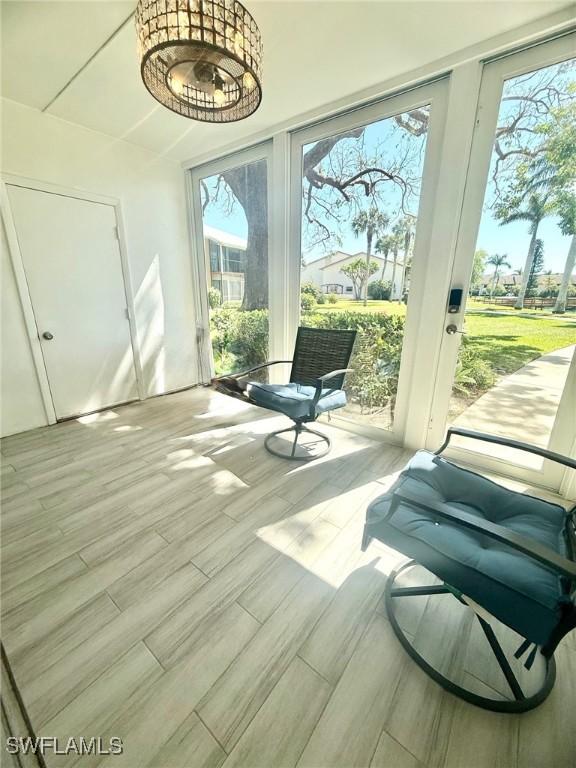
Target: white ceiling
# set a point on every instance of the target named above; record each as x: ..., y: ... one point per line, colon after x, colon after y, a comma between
x: 315, y: 53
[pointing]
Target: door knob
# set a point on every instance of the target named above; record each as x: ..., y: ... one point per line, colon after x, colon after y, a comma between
x: 47, y: 335
x: 452, y: 329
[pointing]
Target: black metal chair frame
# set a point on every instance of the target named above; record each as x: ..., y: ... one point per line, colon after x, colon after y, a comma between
x: 316, y: 350
x: 563, y: 566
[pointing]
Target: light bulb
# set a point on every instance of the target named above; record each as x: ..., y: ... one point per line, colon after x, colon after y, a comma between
x: 238, y: 44
x: 248, y: 81
x: 219, y: 97
x: 176, y: 86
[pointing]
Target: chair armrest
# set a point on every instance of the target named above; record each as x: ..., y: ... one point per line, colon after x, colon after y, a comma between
x: 250, y: 370
x: 332, y: 374
x: 516, y: 541
x: 326, y: 377
x: 557, y: 457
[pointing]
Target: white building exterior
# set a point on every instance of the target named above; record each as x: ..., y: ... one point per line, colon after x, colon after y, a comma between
x: 326, y: 273
x: 224, y: 254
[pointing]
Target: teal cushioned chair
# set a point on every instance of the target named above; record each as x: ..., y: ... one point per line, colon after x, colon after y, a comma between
x: 320, y: 363
x: 511, y: 554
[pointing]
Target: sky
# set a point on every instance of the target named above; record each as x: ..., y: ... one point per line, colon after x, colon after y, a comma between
x: 514, y: 239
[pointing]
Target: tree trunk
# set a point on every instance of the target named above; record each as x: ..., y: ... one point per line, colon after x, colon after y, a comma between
x: 407, y: 241
x: 249, y: 186
x: 527, y: 268
x: 560, y: 306
x: 494, y: 283
x: 394, y: 266
x: 402, y: 280
x: 368, y: 256
x: 384, y: 266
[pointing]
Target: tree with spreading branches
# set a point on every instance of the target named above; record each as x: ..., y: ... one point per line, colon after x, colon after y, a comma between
x: 360, y: 273
x: 341, y: 172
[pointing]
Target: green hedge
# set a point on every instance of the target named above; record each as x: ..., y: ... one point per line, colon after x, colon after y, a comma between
x: 240, y: 341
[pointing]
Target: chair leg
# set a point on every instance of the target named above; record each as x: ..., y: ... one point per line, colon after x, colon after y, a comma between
x: 501, y: 659
x: 297, y: 431
x: 298, y: 428
x: 520, y: 702
x: 366, y: 539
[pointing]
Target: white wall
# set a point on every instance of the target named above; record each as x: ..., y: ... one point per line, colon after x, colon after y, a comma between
x: 333, y: 274
x: 152, y: 193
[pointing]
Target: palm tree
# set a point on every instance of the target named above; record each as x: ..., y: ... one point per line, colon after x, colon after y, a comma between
x: 566, y: 208
x: 384, y: 246
x: 497, y: 260
x: 535, y: 209
x: 370, y: 222
x: 408, y: 224
x: 399, y: 240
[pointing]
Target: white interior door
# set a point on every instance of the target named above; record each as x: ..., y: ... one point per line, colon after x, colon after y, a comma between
x: 71, y: 257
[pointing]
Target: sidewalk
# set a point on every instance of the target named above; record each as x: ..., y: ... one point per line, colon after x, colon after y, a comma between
x: 523, y: 405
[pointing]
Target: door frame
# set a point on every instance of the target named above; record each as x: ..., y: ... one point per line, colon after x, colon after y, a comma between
x: 495, y: 72
x: 24, y: 296
x: 263, y: 151
x: 436, y: 93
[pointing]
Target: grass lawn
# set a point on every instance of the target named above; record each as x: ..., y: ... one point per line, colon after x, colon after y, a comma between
x: 507, y: 341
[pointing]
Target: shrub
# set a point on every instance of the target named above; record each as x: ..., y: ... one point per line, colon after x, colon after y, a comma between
x: 310, y: 289
x: 321, y: 298
x: 332, y: 298
x: 549, y: 292
x: 214, y: 298
x: 239, y: 339
x: 376, y: 357
x: 379, y: 290
x: 473, y: 374
x: 307, y: 302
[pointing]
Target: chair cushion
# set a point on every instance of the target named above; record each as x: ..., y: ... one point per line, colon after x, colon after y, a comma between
x: 519, y: 591
x: 294, y: 400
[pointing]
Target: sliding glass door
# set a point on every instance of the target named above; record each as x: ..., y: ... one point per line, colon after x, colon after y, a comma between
x: 363, y: 196
x: 511, y: 345
x: 441, y: 229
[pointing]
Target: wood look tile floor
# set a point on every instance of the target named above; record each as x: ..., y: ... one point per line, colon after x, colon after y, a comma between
x: 168, y: 582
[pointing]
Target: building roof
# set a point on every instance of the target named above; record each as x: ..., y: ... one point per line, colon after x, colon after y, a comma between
x: 337, y: 257
x: 224, y: 238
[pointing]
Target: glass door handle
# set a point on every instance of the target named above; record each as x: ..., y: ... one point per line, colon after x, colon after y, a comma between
x: 47, y: 335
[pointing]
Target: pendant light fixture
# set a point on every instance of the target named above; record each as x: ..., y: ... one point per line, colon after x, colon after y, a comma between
x: 201, y: 58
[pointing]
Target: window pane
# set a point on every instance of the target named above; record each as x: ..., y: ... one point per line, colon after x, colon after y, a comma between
x: 520, y: 315
x: 360, y: 199
x: 235, y: 219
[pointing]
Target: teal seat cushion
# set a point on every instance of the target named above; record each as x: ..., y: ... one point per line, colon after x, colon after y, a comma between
x: 294, y: 400
x: 521, y: 592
